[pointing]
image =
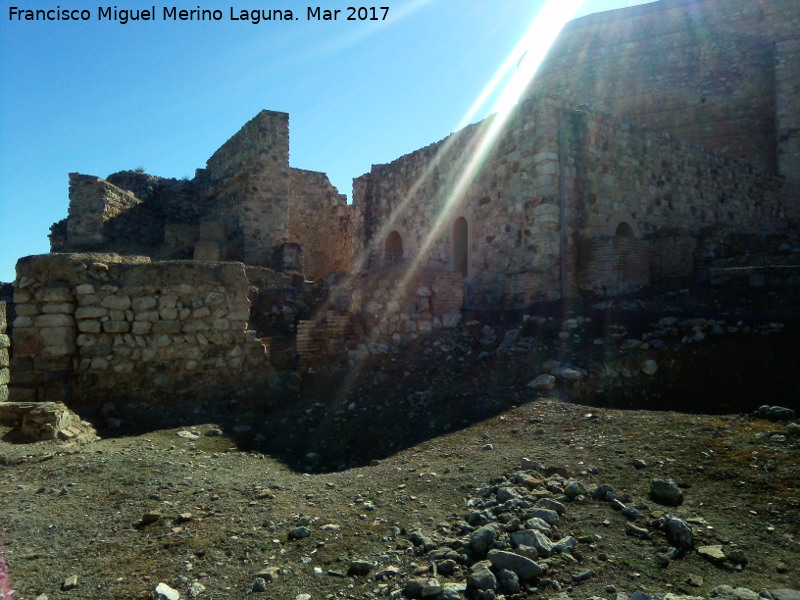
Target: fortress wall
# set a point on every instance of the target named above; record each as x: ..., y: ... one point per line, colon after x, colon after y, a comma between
x: 102, y: 215
x: 613, y: 171
x: 320, y: 220
x: 505, y: 190
x: 248, y: 183
x: 93, y: 328
x: 654, y: 181
x: 701, y: 69
x: 5, y: 344
x: 787, y: 83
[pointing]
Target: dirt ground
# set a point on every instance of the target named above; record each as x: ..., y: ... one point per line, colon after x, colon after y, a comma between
x: 352, y: 482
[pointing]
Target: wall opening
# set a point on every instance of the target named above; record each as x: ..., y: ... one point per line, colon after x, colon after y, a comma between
x: 461, y: 246
x: 393, y: 249
x: 624, y: 230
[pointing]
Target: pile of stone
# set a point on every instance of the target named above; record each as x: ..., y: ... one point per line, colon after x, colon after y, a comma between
x: 42, y: 421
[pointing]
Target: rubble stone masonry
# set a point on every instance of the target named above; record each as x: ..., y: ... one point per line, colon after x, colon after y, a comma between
x: 709, y: 71
x: 601, y: 171
x: 100, y: 328
x: 320, y: 220
x: 5, y: 344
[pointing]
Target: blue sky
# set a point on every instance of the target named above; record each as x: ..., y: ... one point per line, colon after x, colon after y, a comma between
x: 99, y: 97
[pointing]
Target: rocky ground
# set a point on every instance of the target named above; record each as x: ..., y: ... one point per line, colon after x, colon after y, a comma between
x: 441, y: 471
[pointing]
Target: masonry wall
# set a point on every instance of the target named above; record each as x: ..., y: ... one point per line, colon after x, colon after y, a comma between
x: 320, y: 220
x: 382, y: 311
x: 701, y: 69
x: 93, y: 328
x: 5, y: 344
x: 655, y: 182
x: 103, y: 215
x: 248, y: 183
x: 502, y: 182
x: 603, y: 171
x: 787, y: 84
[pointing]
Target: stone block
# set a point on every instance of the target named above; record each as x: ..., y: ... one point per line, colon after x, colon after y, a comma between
x: 141, y: 327
x: 150, y: 316
x: 168, y: 314
x: 53, y: 321
x: 3, y: 317
x: 166, y: 327
x: 5, y: 341
x: 22, y: 297
x: 116, y: 302
x: 22, y: 322
x: 27, y: 310
x: 208, y: 251
x: 27, y: 342
x: 5, y: 359
x: 116, y: 326
x: 89, y: 326
x: 84, y: 289
x: 56, y: 292
x: 4, y: 394
x: 5, y: 376
x: 62, y: 308
x: 143, y: 303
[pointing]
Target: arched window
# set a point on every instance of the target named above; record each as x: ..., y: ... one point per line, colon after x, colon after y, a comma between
x: 393, y: 249
x: 624, y: 230
x: 461, y: 246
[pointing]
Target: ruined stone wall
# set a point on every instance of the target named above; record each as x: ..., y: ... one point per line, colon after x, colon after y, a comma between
x: 320, y: 220
x: 504, y: 189
x: 5, y: 344
x: 382, y: 311
x: 603, y: 170
x: 701, y: 69
x: 94, y: 328
x: 248, y: 184
x: 102, y: 215
x: 787, y: 83
x: 655, y: 182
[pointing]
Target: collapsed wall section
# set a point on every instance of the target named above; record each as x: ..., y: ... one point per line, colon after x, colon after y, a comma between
x: 94, y: 328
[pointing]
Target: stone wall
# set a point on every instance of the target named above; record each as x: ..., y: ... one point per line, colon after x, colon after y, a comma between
x: 602, y: 171
x: 94, y: 328
x: 248, y: 182
x: 701, y: 69
x: 616, y: 265
x: 103, y: 215
x: 503, y: 192
x: 5, y: 345
x: 320, y: 220
x: 787, y: 84
x: 376, y: 313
